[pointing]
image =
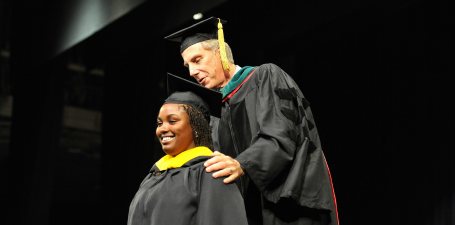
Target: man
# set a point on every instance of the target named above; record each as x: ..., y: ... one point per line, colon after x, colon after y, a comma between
x: 266, y: 136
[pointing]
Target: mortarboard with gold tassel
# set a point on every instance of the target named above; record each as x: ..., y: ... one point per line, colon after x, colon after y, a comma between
x: 211, y: 28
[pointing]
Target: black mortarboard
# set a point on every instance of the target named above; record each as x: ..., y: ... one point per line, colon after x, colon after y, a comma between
x: 202, y: 31
x: 182, y: 91
x: 211, y: 28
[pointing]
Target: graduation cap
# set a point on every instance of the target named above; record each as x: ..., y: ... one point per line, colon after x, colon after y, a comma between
x: 211, y: 28
x: 182, y: 91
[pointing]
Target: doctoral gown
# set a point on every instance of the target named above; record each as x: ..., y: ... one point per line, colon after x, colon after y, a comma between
x: 186, y: 195
x: 267, y: 125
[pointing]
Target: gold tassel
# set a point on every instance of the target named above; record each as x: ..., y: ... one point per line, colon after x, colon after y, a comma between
x: 224, y: 59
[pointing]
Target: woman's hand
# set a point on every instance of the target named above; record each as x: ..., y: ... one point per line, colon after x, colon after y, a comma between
x: 225, y: 167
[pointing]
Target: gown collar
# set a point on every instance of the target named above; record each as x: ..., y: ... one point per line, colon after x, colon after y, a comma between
x: 236, y: 80
x: 170, y: 162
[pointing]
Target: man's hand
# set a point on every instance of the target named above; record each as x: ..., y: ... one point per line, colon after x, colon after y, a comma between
x: 226, y: 166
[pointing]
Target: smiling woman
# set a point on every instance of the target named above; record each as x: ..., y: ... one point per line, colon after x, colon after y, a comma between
x: 174, y: 130
x: 178, y: 190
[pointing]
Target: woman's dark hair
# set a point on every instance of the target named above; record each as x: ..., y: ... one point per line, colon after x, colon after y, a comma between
x: 199, y: 124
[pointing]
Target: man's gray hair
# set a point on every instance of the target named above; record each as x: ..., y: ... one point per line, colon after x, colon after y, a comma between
x: 212, y: 45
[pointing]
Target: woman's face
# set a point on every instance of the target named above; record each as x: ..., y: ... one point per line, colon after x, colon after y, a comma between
x: 174, y: 130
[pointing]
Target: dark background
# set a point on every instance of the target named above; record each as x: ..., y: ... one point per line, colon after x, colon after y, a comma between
x: 377, y: 74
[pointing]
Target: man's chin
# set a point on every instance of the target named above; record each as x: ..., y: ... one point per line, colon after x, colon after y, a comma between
x: 211, y: 86
x: 207, y: 86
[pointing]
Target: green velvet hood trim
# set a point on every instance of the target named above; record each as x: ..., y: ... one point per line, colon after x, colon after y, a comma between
x: 236, y: 80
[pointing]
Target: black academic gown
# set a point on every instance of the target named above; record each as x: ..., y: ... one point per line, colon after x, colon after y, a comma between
x: 186, y: 195
x: 267, y: 125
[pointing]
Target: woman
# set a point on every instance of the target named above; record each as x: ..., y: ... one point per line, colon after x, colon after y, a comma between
x: 178, y: 190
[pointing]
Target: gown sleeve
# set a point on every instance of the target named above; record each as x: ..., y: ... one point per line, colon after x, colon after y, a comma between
x: 285, y: 159
x: 219, y: 203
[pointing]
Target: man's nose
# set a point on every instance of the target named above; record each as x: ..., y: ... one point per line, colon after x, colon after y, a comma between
x: 193, y: 71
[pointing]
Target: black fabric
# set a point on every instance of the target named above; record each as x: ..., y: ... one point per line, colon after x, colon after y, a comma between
x: 291, y: 95
x: 288, y: 94
x: 312, y: 147
x: 233, y: 142
x: 242, y: 133
x: 225, y: 138
x: 305, y: 103
x: 311, y: 125
x: 283, y: 158
x: 186, y: 195
x: 286, y: 211
x: 205, y: 100
x: 292, y: 115
x: 192, y: 99
x: 196, y: 38
x: 202, y: 31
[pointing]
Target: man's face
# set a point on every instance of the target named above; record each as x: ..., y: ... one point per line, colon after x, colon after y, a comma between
x: 204, y: 66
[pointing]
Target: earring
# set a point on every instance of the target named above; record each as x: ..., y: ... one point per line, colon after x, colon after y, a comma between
x: 196, y: 133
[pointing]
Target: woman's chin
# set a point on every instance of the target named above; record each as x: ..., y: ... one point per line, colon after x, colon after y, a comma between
x: 171, y: 151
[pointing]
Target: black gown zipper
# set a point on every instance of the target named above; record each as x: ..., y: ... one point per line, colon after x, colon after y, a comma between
x: 237, y: 152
